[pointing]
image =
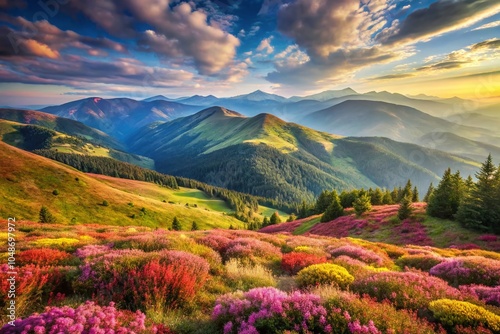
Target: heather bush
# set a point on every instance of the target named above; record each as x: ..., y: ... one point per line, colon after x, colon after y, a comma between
x: 300, y: 240
x: 268, y: 310
x: 422, y: 262
x: 453, y: 312
x: 384, y: 316
x: 148, y: 242
x: 85, y: 319
x: 188, y: 245
x: 310, y: 250
x: 487, y: 294
x: 243, y: 276
x: 357, y: 268
x: 468, y: 270
x: 325, y: 273
x: 359, y: 253
x: 410, y: 290
x: 293, y: 262
x: 218, y: 243
x: 92, y: 250
x: 249, y: 248
x: 42, y: 257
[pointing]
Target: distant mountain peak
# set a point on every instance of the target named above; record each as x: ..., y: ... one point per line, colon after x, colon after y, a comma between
x: 259, y: 95
x: 219, y: 111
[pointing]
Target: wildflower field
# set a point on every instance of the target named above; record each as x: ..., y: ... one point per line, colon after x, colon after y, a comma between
x: 115, y: 279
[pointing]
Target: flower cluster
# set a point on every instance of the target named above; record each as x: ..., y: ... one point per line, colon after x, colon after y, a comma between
x: 42, y: 256
x: 293, y: 262
x: 422, y: 262
x: 325, y: 273
x: 268, y: 310
x: 251, y: 247
x: 358, y: 253
x: 468, y: 270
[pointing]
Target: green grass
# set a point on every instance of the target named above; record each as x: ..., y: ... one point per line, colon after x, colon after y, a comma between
x: 306, y: 226
x: 27, y: 182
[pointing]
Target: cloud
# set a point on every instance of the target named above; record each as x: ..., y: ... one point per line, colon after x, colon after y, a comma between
x: 440, y: 17
x: 488, y: 25
x: 178, y: 30
x: 488, y: 44
x: 265, y: 45
x: 48, y: 39
x: 5, y: 4
x: 392, y: 76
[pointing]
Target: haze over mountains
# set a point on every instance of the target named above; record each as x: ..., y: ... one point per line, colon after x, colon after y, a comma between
x: 339, y: 139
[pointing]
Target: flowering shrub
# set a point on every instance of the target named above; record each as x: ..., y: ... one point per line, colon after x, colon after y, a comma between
x: 358, y: 253
x: 452, y: 312
x: 86, y: 318
x: 383, y: 315
x: 268, y: 310
x: 468, y: 270
x: 216, y: 242
x: 410, y: 290
x: 325, y: 273
x: 293, y: 262
x: 488, y: 237
x: 357, y: 268
x: 489, y: 295
x: 148, y: 242
x: 250, y: 248
x: 42, y: 256
x: 92, y: 250
x: 422, y: 262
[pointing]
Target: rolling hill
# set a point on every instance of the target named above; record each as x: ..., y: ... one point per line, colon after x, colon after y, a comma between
x: 120, y: 117
x: 266, y: 156
x: 28, y: 182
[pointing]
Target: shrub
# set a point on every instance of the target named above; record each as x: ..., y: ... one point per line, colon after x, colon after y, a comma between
x: 357, y: 268
x: 45, y: 216
x: 452, y: 312
x: 268, y: 310
x: 325, y: 273
x: 55, y: 192
x: 42, y: 256
x: 216, y: 242
x: 293, y: 262
x: 244, y: 276
x: 148, y: 242
x: 468, y: 270
x: 489, y: 295
x: 92, y: 250
x: 250, y: 248
x: 359, y: 253
x: 105, y: 203
x: 86, y: 318
x: 384, y: 316
x: 422, y: 262
x: 410, y: 290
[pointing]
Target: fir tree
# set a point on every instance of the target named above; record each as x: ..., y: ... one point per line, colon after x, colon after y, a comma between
x: 176, y: 225
x: 415, y: 195
x: 45, y: 216
x: 194, y: 226
x: 362, y: 204
x: 430, y: 190
x: 377, y: 197
x: 442, y: 203
x: 323, y: 201
x: 387, y: 198
x: 407, y: 191
x: 334, y: 210
x: 405, y: 209
x: 275, y: 219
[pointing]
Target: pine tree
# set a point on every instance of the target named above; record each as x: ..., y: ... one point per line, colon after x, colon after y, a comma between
x: 334, y: 210
x: 430, y: 190
x: 482, y: 207
x: 194, y: 226
x: 387, y: 198
x: 176, y: 225
x: 405, y: 209
x: 446, y: 197
x: 291, y: 218
x: 415, y: 195
x: 362, y: 204
x: 45, y: 216
x: 407, y: 191
x: 323, y: 201
x: 377, y: 197
x: 265, y: 222
x: 275, y: 219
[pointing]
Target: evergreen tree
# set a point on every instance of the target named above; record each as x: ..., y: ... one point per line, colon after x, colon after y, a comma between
x: 265, y: 222
x: 377, y: 197
x: 362, y: 204
x: 387, y: 198
x: 176, y: 225
x: 441, y: 202
x: 482, y: 208
x: 45, y: 216
x: 194, y: 226
x: 430, y: 190
x: 291, y: 218
x: 405, y: 209
x: 334, y: 210
x: 407, y: 191
x: 347, y: 198
x: 275, y: 219
x: 415, y: 195
x: 323, y: 201
x: 395, y: 195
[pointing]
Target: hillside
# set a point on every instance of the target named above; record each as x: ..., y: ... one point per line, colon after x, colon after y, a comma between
x: 120, y: 117
x: 369, y: 118
x: 60, y: 124
x: 18, y: 135
x: 266, y: 156
x: 28, y: 181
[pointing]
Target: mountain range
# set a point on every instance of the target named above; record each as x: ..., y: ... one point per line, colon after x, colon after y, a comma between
x: 287, y: 149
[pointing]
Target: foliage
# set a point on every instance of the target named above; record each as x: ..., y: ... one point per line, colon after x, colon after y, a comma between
x: 453, y: 312
x: 268, y: 310
x: 422, y: 262
x: 293, y: 262
x: 42, y: 256
x: 362, y: 204
x: 45, y: 216
x: 247, y: 276
x: 446, y: 198
x: 325, y: 273
x: 468, y: 270
x: 359, y: 253
x: 405, y: 209
x: 333, y: 210
x: 176, y: 225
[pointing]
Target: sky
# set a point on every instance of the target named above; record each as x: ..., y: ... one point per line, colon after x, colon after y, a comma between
x: 54, y: 51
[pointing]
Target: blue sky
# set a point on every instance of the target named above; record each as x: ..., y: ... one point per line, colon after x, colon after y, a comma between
x: 53, y: 51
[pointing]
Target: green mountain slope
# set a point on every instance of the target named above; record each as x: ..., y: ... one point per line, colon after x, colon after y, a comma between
x: 263, y: 155
x: 28, y: 181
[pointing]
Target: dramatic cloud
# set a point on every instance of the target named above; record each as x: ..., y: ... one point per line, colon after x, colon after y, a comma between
x: 265, y: 45
x: 440, y: 17
x: 179, y: 30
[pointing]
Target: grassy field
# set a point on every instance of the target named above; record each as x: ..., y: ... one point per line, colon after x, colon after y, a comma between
x: 29, y: 182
